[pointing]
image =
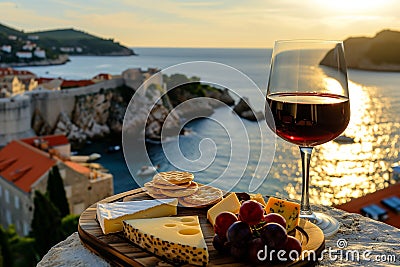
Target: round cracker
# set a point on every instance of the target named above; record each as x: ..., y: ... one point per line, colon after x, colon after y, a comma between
x: 181, y: 192
x: 173, y: 177
x: 189, y: 205
x: 170, y: 186
x: 155, y: 195
x: 149, y: 186
x: 205, y: 195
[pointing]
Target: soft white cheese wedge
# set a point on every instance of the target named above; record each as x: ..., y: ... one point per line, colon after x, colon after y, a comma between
x: 111, y: 215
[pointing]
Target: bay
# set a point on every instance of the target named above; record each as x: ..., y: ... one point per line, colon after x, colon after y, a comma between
x: 339, y: 172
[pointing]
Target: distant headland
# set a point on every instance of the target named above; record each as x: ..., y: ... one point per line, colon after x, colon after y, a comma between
x: 379, y: 53
x: 52, y: 47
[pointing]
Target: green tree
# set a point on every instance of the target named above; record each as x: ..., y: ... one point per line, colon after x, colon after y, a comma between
x: 56, y: 191
x: 16, y: 251
x: 69, y: 224
x: 5, y: 251
x: 22, y: 249
x: 46, y: 224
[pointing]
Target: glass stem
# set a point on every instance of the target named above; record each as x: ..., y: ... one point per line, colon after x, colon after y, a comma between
x: 305, y: 209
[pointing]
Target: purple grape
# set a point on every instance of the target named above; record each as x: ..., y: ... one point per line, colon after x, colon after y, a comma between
x: 238, y: 252
x: 254, y: 255
x: 239, y: 233
x: 219, y: 242
x: 274, y: 236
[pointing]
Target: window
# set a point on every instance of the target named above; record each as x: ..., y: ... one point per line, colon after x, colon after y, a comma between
x: 26, y: 228
x: 68, y: 191
x: 63, y: 173
x: 7, y: 196
x: 8, y: 217
x: 16, y: 202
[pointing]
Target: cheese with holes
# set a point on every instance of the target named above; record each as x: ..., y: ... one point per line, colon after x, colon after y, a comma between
x: 230, y: 203
x: 177, y: 239
x: 289, y: 210
x: 111, y: 215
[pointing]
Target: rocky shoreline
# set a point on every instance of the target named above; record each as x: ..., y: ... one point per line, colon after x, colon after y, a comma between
x: 62, y: 59
x: 378, y: 53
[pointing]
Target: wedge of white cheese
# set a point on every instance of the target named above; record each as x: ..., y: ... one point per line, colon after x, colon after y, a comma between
x: 111, y: 215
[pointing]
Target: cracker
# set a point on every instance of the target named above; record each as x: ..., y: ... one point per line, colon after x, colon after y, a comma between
x: 149, y: 187
x: 173, y: 177
x: 205, y: 195
x: 181, y: 192
x: 157, y: 195
x: 171, y: 186
x: 189, y: 205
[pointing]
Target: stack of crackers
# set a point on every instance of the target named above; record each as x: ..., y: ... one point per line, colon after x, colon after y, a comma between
x: 181, y: 185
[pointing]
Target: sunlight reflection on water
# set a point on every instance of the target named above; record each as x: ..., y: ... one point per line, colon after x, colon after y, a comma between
x: 340, y: 172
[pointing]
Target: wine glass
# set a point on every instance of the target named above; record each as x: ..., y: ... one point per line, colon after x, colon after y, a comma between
x: 309, y: 99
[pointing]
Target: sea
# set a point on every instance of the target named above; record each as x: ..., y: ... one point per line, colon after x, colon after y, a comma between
x: 246, y: 154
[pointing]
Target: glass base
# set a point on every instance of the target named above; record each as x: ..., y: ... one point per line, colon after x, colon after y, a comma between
x: 326, y: 223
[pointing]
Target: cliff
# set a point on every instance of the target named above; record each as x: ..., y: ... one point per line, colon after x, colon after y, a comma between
x: 98, y: 110
x: 379, y: 53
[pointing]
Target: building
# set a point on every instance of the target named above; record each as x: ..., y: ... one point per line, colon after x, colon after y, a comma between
x: 40, y: 53
x: 102, y: 77
x: 135, y: 77
x: 24, y: 55
x: 14, y: 82
x: 12, y: 85
x: 22, y: 74
x: 355, y: 205
x: 24, y: 168
x: 6, y: 48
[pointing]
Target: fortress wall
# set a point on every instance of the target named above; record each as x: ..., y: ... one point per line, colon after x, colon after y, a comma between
x: 15, y: 118
x: 16, y: 112
x: 52, y: 103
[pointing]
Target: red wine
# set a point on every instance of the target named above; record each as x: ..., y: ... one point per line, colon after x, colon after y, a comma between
x: 309, y: 119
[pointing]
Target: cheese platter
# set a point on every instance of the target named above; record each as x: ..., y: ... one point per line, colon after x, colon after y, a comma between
x: 119, y: 251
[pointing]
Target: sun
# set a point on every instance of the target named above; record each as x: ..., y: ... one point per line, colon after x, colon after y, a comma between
x: 352, y: 5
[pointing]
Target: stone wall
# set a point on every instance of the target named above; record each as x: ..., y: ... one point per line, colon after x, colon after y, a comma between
x: 15, y: 118
x: 42, y: 110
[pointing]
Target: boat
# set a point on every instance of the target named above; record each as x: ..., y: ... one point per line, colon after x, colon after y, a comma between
x: 343, y: 139
x: 112, y: 149
x: 395, y: 172
x: 85, y: 158
x: 147, y: 170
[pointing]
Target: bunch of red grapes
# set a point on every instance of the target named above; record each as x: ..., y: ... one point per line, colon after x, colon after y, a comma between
x: 250, y: 234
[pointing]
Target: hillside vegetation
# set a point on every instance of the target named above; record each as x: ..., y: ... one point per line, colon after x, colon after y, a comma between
x: 90, y: 44
x: 378, y: 53
x: 60, y: 41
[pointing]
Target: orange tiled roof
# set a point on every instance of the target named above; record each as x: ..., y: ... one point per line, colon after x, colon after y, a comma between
x: 11, y: 71
x: 355, y: 205
x: 22, y: 164
x: 52, y: 140
x: 78, y: 167
x: 41, y: 80
x: 76, y: 83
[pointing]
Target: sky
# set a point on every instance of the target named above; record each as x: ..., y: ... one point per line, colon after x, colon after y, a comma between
x: 206, y: 23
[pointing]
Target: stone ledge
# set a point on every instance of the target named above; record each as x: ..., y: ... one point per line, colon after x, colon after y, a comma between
x: 360, y: 233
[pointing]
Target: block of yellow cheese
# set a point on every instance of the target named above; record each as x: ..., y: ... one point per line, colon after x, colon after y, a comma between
x: 230, y: 203
x: 289, y: 210
x: 111, y: 215
x: 178, y: 239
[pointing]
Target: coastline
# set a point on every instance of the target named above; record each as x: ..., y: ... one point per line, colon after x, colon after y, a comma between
x: 62, y: 59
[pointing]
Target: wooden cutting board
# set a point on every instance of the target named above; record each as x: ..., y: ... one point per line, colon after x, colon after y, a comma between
x: 120, y: 252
